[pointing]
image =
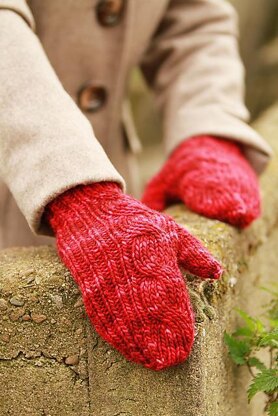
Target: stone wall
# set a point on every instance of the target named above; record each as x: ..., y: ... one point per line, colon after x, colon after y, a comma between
x: 52, y: 362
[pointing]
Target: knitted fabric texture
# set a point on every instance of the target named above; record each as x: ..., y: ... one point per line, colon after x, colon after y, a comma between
x: 124, y: 257
x: 212, y: 177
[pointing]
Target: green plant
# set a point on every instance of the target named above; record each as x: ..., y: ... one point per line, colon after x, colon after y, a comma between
x: 246, y: 344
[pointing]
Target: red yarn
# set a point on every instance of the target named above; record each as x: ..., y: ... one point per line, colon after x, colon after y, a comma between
x: 124, y: 257
x: 212, y: 177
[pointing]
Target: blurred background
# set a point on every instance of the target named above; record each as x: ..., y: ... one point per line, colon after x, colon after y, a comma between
x: 258, y: 24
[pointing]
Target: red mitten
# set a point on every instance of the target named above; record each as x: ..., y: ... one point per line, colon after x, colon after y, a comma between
x: 124, y: 257
x: 212, y: 177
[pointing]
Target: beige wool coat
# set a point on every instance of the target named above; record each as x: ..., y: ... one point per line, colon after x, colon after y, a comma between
x: 63, y: 71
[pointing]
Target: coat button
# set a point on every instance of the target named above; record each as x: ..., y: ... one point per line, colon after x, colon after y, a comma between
x: 110, y: 12
x: 91, y: 97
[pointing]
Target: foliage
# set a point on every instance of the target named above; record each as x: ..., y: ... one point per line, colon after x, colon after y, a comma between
x: 246, y: 343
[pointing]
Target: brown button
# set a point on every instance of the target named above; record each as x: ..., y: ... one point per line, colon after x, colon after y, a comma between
x: 110, y: 12
x: 92, y: 97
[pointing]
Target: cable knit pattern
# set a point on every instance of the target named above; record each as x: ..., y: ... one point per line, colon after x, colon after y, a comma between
x: 124, y: 257
x: 212, y: 177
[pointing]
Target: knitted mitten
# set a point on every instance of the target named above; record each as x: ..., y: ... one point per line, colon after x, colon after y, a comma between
x: 212, y: 177
x: 124, y: 257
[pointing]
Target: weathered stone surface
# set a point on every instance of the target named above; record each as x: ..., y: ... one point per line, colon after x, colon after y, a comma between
x: 35, y: 344
x: 61, y: 367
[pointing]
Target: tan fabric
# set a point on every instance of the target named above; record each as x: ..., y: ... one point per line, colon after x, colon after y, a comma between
x: 195, y: 70
x: 188, y: 53
x: 20, y: 7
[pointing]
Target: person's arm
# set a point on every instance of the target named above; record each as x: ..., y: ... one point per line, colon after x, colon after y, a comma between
x: 46, y: 144
x: 123, y: 256
x: 195, y: 71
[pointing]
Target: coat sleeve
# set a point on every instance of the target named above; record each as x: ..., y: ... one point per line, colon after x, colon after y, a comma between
x: 46, y: 144
x: 194, y: 68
